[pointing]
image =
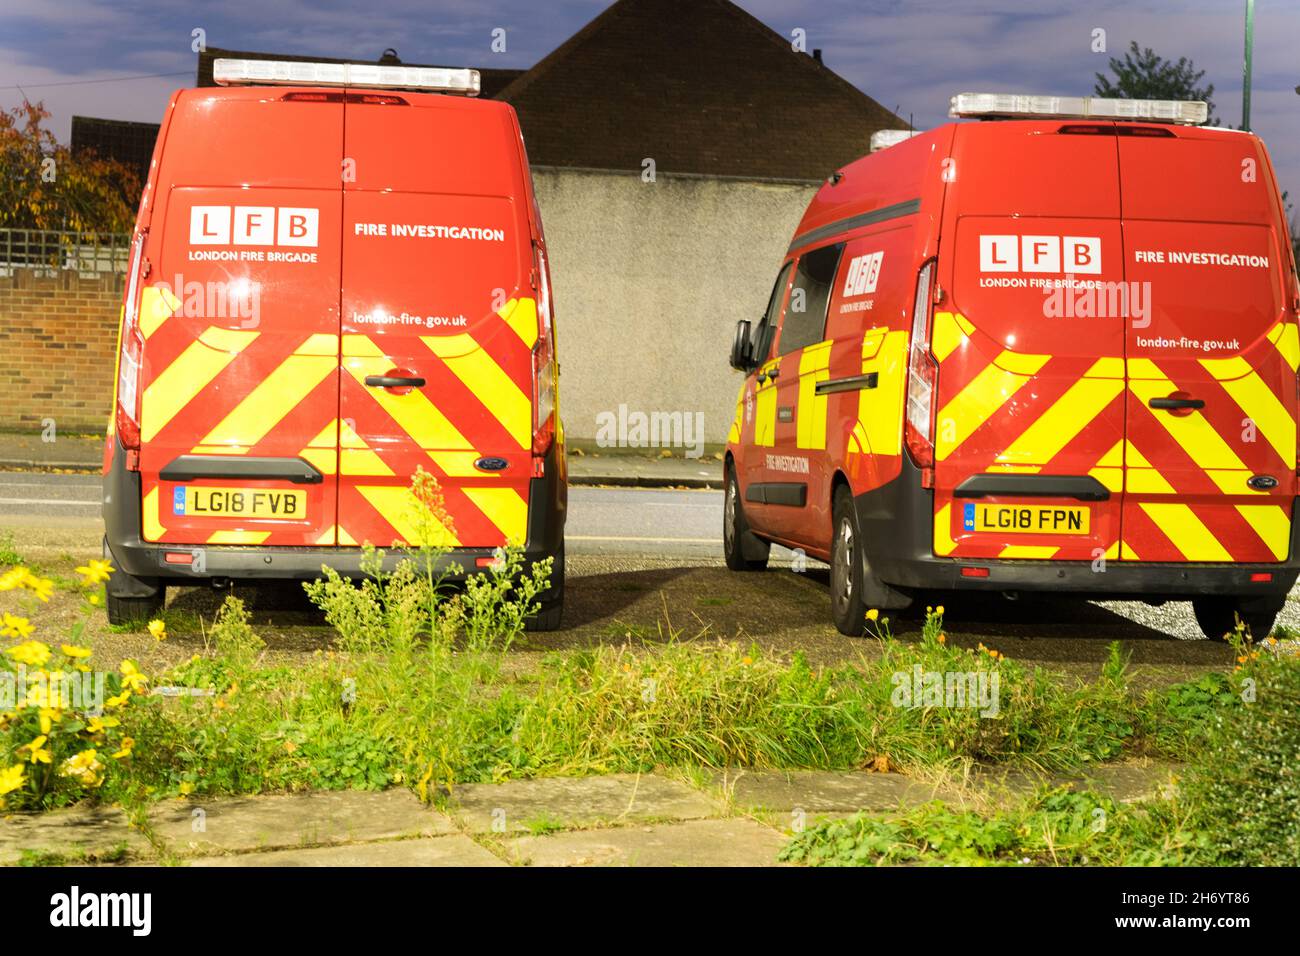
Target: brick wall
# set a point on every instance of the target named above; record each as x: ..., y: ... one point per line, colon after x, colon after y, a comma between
x: 57, y: 339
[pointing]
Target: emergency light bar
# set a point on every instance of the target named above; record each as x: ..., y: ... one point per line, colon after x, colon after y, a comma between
x: 883, y: 138
x: 369, y: 75
x: 1185, y: 112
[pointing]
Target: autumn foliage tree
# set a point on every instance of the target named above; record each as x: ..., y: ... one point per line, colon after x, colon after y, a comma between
x: 44, y: 185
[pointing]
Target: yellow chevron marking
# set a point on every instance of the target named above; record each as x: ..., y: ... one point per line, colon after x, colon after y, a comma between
x: 733, y: 433
x: 810, y: 413
x: 967, y: 326
x: 765, y: 410
x: 880, y: 410
x: 190, y: 373
x: 153, y: 529
x: 1284, y: 336
x: 1028, y: 551
x: 401, y: 509
x: 1193, y: 432
x: 1112, y: 553
x: 1141, y: 477
x: 1144, y: 368
x: 344, y: 537
x: 1232, y: 482
x: 521, y: 315
x: 1113, y: 458
x: 157, y: 305
x: 1106, y: 368
x: 505, y: 508
x: 335, y: 535
x: 1186, y: 531
x: 872, y: 339
x: 413, y: 412
x: 1061, y: 423
x: 1126, y: 552
x: 1259, y: 403
x: 1022, y: 363
x: 361, y: 462
x: 238, y: 537
x: 325, y: 459
x: 488, y: 382
x: 1272, y: 525
x: 276, y: 395
x: 947, y: 335
x: 460, y: 464
x: 983, y: 395
x: 1112, y: 478
x: 943, y: 543
x: 1006, y: 468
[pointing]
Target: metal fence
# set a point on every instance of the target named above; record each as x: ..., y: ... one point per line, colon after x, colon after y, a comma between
x: 50, y: 251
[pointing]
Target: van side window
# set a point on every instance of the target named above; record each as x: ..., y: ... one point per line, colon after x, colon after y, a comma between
x: 765, y: 332
x: 805, y: 316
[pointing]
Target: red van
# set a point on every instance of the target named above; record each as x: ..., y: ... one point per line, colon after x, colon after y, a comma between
x: 1052, y: 350
x: 338, y: 276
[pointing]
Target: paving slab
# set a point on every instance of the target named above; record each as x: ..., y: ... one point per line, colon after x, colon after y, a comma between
x: 730, y: 842
x: 74, y: 835
x: 454, y: 850
x: 1125, y: 783
x: 825, y: 793
x: 243, y: 824
x: 523, y: 805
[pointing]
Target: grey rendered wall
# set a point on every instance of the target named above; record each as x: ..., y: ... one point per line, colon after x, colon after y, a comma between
x: 650, y: 279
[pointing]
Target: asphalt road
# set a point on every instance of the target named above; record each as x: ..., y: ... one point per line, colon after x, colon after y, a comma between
x: 639, y: 557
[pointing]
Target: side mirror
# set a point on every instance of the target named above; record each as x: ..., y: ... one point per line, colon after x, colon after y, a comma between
x: 740, y: 345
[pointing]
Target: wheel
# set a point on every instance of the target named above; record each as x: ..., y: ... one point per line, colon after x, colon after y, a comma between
x: 551, y: 612
x: 1217, y: 617
x: 848, y: 610
x: 743, y: 549
x: 133, y: 600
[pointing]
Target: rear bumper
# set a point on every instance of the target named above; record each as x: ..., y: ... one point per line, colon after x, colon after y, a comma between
x: 897, y: 523
x: 124, y: 544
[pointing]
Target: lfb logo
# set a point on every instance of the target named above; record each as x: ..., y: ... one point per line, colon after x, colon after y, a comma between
x: 1058, y: 254
x: 253, y: 226
x: 864, y: 273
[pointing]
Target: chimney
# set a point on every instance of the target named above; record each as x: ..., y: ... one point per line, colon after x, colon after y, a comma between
x: 817, y: 55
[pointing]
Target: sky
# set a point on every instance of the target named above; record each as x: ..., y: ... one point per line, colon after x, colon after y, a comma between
x: 907, y: 55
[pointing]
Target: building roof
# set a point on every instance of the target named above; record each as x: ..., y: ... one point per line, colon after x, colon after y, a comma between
x: 491, y: 80
x: 130, y: 143
x: 700, y: 86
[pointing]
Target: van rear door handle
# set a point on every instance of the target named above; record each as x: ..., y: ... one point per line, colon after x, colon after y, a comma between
x: 1172, y: 402
x: 394, y: 381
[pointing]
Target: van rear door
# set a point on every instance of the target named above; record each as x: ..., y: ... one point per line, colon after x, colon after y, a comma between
x: 1030, y: 411
x: 439, y: 320
x: 1212, y: 362
x: 239, y: 318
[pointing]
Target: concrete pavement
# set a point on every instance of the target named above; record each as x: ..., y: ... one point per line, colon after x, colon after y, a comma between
x: 733, y: 818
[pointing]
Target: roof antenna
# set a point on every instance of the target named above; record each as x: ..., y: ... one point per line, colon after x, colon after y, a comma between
x: 389, y: 57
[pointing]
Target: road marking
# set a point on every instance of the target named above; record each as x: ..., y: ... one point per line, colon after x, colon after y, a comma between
x: 601, y: 537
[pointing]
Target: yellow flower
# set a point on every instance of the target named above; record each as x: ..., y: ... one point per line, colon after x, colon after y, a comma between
x: 41, y: 587
x: 747, y: 660
x: 13, y: 578
x: 11, y: 778
x: 85, y: 768
x: 48, y: 716
x: 119, y: 701
x: 13, y: 626
x: 37, y: 752
x: 186, y: 788
x: 943, y: 638
x: 872, y: 614
x: 125, y: 750
x: 99, y: 724
x: 31, y: 653
x: 939, y: 610
x: 94, y: 599
x: 71, y: 650
x: 132, y: 679
x: 95, y: 571
x: 158, y: 629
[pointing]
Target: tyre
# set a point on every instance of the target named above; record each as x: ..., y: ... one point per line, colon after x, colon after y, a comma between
x: 551, y: 612
x: 848, y: 607
x: 743, y: 549
x: 132, y: 600
x: 1217, y: 617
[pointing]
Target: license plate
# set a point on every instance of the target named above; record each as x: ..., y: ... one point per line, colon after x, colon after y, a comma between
x: 1025, y: 519
x: 196, y: 502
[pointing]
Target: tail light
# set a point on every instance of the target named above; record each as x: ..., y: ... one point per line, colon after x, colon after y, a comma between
x: 131, y: 355
x: 922, y: 379
x: 546, y: 371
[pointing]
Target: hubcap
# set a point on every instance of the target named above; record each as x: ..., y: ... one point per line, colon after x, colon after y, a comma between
x: 845, y: 560
x: 729, y: 517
